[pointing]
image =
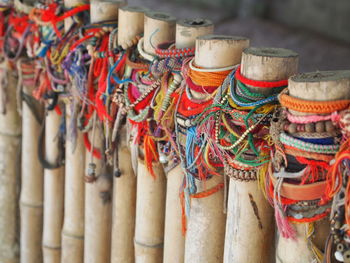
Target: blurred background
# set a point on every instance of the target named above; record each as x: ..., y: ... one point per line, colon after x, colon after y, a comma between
x: 319, y: 30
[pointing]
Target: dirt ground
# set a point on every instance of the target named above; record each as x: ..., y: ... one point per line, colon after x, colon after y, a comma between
x: 316, y: 52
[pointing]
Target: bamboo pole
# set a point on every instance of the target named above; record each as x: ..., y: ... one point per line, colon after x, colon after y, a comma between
x: 98, y: 215
x: 187, y: 31
x: 318, y: 86
x: 98, y: 209
x: 150, y: 203
x: 73, y: 227
x: 74, y: 191
x: 53, y: 193
x: 250, y: 221
x: 130, y: 23
x: 106, y: 10
x: 206, y: 225
x: 31, y: 200
x: 10, y: 147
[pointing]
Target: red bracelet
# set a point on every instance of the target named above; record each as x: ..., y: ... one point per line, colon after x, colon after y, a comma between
x: 163, y: 51
x: 259, y: 83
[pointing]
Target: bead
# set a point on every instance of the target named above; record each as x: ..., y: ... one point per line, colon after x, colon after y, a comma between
x: 329, y: 126
x: 292, y: 128
x: 309, y: 127
x: 117, y: 173
x: 339, y: 256
x: 300, y: 128
x: 320, y: 126
x: 91, y: 171
x: 340, y: 247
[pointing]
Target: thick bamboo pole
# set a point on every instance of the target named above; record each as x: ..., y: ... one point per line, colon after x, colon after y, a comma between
x: 98, y: 210
x: 31, y: 200
x: 10, y: 147
x: 53, y: 192
x: 130, y: 24
x: 74, y: 191
x: 250, y: 221
x: 187, y: 31
x: 318, y: 86
x: 150, y: 203
x: 73, y: 227
x: 206, y: 225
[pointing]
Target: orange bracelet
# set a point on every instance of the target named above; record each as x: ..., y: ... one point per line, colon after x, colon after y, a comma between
x: 301, y: 192
x: 208, y: 192
x: 310, y: 155
x: 307, y: 106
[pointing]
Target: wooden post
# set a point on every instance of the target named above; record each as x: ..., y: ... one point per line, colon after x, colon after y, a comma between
x: 10, y: 147
x: 150, y: 203
x: 74, y: 192
x: 53, y: 192
x: 250, y: 219
x: 315, y: 86
x: 187, y: 31
x: 206, y: 225
x: 31, y: 201
x: 98, y: 217
x: 106, y: 10
x: 73, y: 227
x: 130, y: 24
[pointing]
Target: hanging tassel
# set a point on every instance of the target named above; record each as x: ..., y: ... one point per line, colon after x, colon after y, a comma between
x: 334, y: 175
x: 190, y: 145
x: 284, y: 227
x: 134, y: 147
x: 151, y: 154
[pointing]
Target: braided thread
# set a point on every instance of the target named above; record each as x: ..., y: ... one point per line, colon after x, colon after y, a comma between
x: 308, y: 106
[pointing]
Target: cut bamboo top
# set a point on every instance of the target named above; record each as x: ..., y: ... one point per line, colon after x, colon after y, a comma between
x: 130, y: 23
x: 159, y: 28
x: 187, y: 30
x: 106, y: 10
x: 268, y: 64
x: 218, y: 51
x: 321, y: 85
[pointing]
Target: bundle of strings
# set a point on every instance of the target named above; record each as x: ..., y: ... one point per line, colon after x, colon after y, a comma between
x: 304, y: 146
x: 192, y: 104
x: 339, y: 171
x: 136, y: 95
x: 236, y: 124
x: 20, y: 35
x: 192, y: 146
x: 166, y: 100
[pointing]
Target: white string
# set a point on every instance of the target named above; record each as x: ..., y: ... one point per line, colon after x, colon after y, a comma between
x: 206, y: 70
